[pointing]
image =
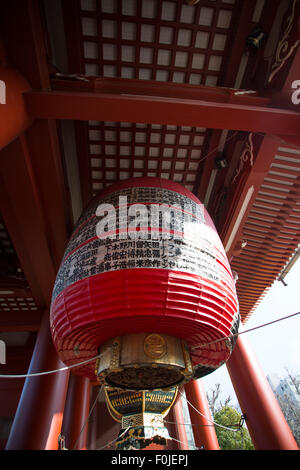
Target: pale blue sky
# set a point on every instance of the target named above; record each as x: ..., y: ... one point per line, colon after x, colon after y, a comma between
x: 276, y: 346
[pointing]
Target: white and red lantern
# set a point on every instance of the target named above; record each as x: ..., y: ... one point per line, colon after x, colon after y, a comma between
x: 140, y: 275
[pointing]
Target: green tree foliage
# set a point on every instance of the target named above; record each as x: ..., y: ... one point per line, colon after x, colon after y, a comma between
x: 231, y: 440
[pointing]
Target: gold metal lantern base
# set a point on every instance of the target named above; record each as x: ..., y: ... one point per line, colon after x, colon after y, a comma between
x: 141, y: 416
x: 144, y: 361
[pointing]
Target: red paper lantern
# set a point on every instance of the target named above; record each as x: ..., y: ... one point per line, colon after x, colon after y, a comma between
x: 169, y: 282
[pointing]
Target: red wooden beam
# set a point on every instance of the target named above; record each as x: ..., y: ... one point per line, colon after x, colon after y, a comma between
x: 42, y: 140
x: 285, y: 72
x: 73, y: 31
x: 185, y: 91
x: 285, y: 97
x: 18, y: 287
x: 33, y: 191
x: 23, y: 215
x: 17, y: 362
x: 171, y: 90
x: 157, y: 110
x: 82, y: 146
x: 235, y: 49
x: 209, y: 156
x: 24, y: 40
x: 20, y: 321
x: 233, y: 225
x: 260, y: 251
x: 260, y: 269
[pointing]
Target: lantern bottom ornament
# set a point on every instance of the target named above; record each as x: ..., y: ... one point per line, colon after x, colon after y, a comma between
x: 144, y: 361
x: 141, y: 416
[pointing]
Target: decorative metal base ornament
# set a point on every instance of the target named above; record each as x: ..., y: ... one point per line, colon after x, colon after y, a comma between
x: 144, y: 361
x: 141, y: 416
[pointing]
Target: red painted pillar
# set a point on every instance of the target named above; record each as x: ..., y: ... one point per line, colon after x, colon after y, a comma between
x: 204, y: 432
x: 169, y: 421
x: 75, y: 423
x: 180, y: 428
x: 93, y: 421
x: 107, y: 429
x: 39, y: 415
x: 13, y: 114
x: 264, y: 418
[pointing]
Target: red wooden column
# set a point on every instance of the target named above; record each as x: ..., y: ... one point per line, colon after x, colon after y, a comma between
x: 169, y: 421
x: 265, y: 421
x: 93, y: 421
x: 75, y: 423
x: 39, y: 415
x: 180, y: 428
x: 204, y: 432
